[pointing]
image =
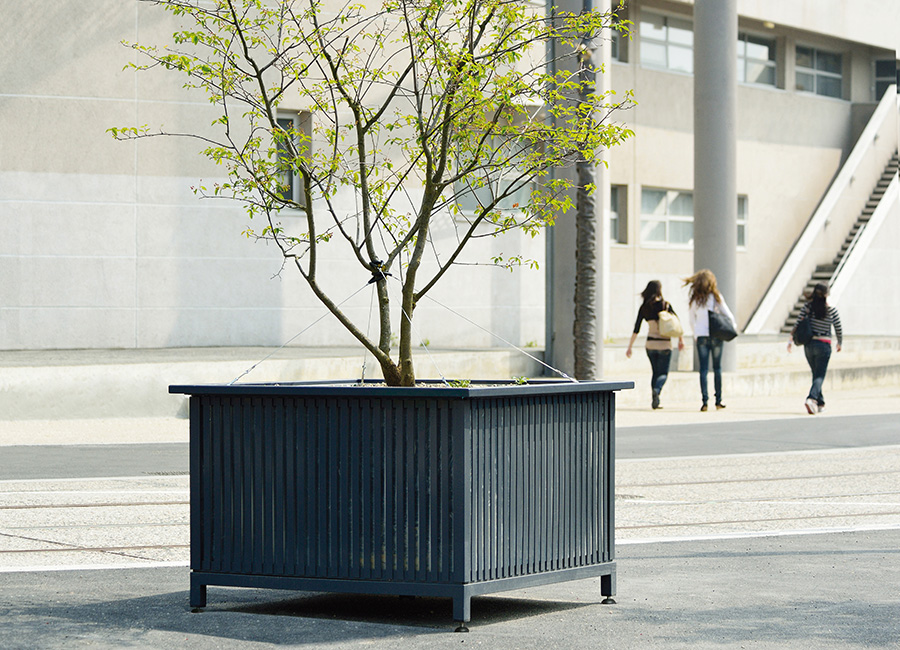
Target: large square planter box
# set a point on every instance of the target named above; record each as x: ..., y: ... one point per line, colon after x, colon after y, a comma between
x: 425, y: 491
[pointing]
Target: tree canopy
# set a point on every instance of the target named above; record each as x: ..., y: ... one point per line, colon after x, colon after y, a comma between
x: 418, y: 107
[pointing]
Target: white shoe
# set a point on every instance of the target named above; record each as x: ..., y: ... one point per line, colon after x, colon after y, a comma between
x: 820, y: 409
x: 811, y: 406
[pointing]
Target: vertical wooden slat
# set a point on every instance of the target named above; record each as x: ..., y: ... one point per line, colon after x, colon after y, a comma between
x: 433, y: 548
x: 215, y: 501
x: 279, y: 488
x: 380, y: 492
x: 341, y: 499
x: 365, y: 489
x: 235, y: 418
x: 393, y: 458
x: 268, y: 407
x: 319, y: 488
x: 291, y: 478
x: 355, y: 507
x: 199, y: 430
x: 447, y: 555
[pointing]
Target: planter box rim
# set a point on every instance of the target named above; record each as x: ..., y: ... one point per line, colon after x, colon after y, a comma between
x: 375, y: 388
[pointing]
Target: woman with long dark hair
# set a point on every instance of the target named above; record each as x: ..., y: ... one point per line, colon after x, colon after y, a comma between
x: 703, y: 298
x: 659, y: 348
x: 823, y: 317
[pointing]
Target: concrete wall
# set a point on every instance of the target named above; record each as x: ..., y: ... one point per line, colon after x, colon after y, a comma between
x: 104, y: 243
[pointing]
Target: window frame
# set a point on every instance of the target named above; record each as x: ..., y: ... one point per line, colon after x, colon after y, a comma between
x: 742, y: 220
x: 743, y: 212
x: 667, y: 218
x: 618, y: 216
x: 743, y: 60
x: 818, y: 75
x: 884, y: 80
x: 300, y: 122
x: 667, y: 42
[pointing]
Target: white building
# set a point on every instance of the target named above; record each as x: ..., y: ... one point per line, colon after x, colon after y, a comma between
x: 104, y: 244
x: 811, y: 74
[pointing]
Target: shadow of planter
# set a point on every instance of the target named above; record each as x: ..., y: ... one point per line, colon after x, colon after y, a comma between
x: 425, y: 491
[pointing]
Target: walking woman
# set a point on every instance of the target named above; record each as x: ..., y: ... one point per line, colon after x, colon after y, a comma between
x: 659, y: 348
x: 822, y: 317
x: 704, y: 297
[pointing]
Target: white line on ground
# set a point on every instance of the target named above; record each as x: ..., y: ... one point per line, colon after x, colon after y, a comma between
x: 749, y: 535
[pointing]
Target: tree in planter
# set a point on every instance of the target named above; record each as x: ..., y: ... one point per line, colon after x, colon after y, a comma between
x: 422, y: 108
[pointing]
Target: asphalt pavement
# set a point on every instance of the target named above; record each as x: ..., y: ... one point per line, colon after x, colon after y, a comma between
x: 753, y: 527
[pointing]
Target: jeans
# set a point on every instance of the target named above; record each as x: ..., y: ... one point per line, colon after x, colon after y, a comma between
x: 659, y: 363
x: 706, y: 346
x: 817, y: 355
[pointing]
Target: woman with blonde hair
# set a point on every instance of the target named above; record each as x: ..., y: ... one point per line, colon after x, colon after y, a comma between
x: 658, y: 347
x: 704, y: 297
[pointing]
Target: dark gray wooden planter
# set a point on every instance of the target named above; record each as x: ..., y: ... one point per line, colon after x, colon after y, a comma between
x: 429, y: 491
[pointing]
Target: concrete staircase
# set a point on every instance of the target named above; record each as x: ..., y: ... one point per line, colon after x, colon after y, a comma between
x: 828, y: 272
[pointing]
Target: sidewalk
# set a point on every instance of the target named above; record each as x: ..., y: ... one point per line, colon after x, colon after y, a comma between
x: 794, y: 551
x: 878, y: 399
x: 83, y: 431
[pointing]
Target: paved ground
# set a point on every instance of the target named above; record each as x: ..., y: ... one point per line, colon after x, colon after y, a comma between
x: 758, y: 526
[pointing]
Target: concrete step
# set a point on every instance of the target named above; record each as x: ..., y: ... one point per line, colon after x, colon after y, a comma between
x: 135, y: 383
x: 83, y: 384
x: 684, y: 387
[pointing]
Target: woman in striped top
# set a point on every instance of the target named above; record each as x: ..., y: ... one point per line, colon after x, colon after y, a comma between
x: 822, y: 317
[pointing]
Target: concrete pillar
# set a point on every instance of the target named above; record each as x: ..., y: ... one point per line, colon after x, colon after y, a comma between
x: 715, y: 148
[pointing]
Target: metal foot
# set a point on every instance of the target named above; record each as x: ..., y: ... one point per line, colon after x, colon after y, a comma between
x: 462, y: 628
x: 609, y: 600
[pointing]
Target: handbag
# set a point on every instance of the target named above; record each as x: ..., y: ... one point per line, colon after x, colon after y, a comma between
x: 803, y: 331
x: 720, y: 326
x: 669, y: 325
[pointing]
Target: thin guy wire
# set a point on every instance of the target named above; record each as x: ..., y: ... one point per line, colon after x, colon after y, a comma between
x: 368, y: 333
x: 286, y: 343
x: 515, y: 347
x: 422, y: 342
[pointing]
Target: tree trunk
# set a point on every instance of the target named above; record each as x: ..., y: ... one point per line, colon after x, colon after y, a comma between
x: 585, y: 325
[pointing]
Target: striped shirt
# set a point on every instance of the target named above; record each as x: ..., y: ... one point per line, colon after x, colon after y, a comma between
x: 821, y: 327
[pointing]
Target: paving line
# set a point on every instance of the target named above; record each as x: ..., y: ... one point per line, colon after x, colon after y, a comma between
x: 758, y: 454
x: 93, y: 567
x: 758, y: 534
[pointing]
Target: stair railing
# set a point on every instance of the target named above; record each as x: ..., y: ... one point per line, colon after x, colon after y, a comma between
x: 879, y: 134
x: 841, y: 277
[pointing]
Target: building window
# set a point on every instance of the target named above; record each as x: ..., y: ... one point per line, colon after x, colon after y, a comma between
x: 299, y: 128
x: 667, y: 217
x: 504, y: 191
x: 885, y: 75
x: 618, y: 40
x: 666, y: 42
x: 819, y: 72
x: 618, y: 223
x: 756, y: 59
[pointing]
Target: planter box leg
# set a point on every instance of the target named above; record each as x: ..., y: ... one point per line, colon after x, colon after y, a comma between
x: 198, y: 593
x: 462, y: 609
x: 608, y: 588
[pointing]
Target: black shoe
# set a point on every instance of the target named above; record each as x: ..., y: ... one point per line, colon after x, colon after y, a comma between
x: 720, y: 406
x: 704, y: 408
x: 654, y: 401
